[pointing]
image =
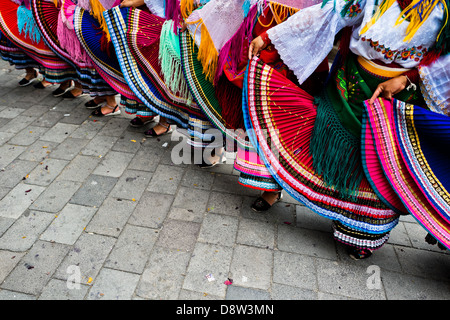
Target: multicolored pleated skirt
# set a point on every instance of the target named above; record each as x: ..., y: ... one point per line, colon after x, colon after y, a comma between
x: 19, y: 26
x: 312, y: 147
x: 410, y: 144
x: 14, y: 55
x: 56, y: 26
x: 101, y: 51
x: 135, y: 35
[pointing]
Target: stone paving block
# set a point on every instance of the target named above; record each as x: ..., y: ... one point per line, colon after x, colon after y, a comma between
x: 11, y: 295
x: 15, y: 172
x: 88, y: 129
x: 36, y: 110
x: 151, y: 210
x: 421, y: 263
x: 132, y: 249
x: 111, y: 217
x: 163, y: 277
x: 131, y: 185
x: 38, y: 151
x: 49, y: 119
x: 88, y: 254
x: 208, y: 259
x: 79, y: 168
x: 294, y: 270
x: 46, y: 171
x: 28, y: 136
x: 94, y: 190
x: 129, y: 142
x: 8, y: 261
x: 115, y: 127
x: 69, y: 148
x: 18, y: 200
x: 165, y: 179
x: 279, y: 213
x: 200, y: 179
x: 4, y: 136
x: 286, y: 292
x: 256, y: 233
x: 113, y: 285
x: 242, y: 294
x: 191, y: 199
x: 10, y: 113
x: 36, y: 268
x: 8, y: 153
x: 416, y: 235
x: 67, y: 105
x: 113, y: 164
x: 146, y: 159
x: 181, y: 235
x: 5, y: 223
x: 252, y: 267
x: 399, y: 235
x: 59, y: 132
x: 304, y: 241
x: 408, y: 287
x: 18, y: 124
x: 347, y: 280
x: 25, y: 231
x: 225, y: 203
x: 77, y: 116
x: 55, y: 197
x: 69, y: 224
x: 99, y: 146
x: 59, y: 290
x: 219, y: 229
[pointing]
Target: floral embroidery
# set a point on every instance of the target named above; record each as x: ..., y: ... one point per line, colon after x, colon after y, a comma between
x: 413, y: 53
x: 354, y: 10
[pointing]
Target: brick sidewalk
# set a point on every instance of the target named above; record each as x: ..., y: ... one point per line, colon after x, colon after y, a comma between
x: 90, y: 209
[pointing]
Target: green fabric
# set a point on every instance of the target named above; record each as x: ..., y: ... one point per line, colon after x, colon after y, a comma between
x: 336, y: 139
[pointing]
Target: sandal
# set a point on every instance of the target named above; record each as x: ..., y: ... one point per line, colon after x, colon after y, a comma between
x: 359, y: 254
x: 24, y: 82
x: 91, y: 104
x: 98, y: 112
x: 151, y: 132
x: 70, y: 95
x: 140, y: 122
x: 261, y: 205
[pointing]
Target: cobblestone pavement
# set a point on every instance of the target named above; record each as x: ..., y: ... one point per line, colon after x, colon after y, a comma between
x: 90, y: 209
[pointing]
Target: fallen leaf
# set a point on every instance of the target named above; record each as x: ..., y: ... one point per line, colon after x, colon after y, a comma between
x: 89, y: 280
x: 133, y: 140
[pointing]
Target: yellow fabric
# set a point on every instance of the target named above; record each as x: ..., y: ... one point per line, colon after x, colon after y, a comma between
x: 97, y: 11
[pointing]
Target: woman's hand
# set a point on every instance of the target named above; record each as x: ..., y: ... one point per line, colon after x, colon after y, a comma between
x: 132, y: 3
x: 389, y: 88
x: 256, y: 46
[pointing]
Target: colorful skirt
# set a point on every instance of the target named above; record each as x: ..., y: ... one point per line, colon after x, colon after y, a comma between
x: 64, y: 43
x: 18, y: 25
x: 312, y: 155
x: 411, y: 145
x: 135, y: 35
x: 14, y: 55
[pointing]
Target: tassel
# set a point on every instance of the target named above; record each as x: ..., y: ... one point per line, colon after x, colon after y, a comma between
x: 246, y: 7
x: 335, y: 157
x: 170, y: 62
x: 186, y: 7
x: 27, y: 25
x: 97, y: 12
x: 207, y: 54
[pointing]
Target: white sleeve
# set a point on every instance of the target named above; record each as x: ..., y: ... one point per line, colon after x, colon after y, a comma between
x: 305, y: 39
x: 156, y: 7
x: 435, y: 84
